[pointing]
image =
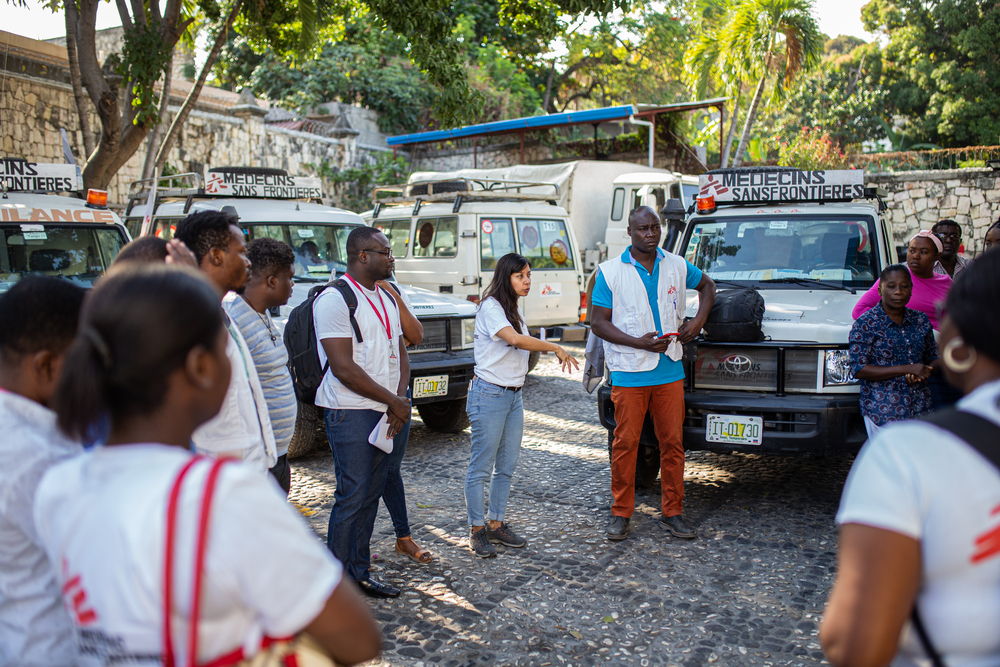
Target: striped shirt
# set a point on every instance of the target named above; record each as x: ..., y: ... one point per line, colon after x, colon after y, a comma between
x: 270, y: 357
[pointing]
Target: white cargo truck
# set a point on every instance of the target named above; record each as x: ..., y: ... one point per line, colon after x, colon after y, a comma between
x: 46, y: 233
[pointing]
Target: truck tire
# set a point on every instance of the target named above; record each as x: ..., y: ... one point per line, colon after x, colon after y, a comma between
x: 533, y: 358
x: 647, y: 463
x: 309, y: 435
x: 444, y: 416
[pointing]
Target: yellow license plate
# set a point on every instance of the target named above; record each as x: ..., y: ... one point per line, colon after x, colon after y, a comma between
x: 430, y: 385
x: 734, y: 429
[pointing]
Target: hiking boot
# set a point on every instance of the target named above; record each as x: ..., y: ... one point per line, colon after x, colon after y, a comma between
x: 480, y: 544
x: 617, y: 528
x: 505, y: 536
x: 678, y: 527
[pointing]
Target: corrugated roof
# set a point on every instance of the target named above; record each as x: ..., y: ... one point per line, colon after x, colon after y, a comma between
x: 620, y: 112
x: 526, y: 123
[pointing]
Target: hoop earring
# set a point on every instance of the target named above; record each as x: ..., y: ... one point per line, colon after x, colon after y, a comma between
x: 956, y: 365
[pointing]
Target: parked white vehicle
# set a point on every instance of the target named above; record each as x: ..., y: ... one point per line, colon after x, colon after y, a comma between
x: 440, y: 367
x: 632, y: 190
x: 447, y: 235
x: 810, y: 242
x: 53, y: 234
x: 585, y: 191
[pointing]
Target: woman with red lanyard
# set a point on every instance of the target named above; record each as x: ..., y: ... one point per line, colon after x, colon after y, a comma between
x: 165, y: 557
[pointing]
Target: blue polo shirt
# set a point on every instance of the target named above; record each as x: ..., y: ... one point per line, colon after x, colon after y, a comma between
x: 667, y: 370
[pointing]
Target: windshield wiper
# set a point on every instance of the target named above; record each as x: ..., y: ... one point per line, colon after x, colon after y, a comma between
x: 810, y: 282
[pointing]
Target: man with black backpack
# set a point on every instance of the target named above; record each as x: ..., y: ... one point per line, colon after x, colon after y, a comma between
x: 365, y: 374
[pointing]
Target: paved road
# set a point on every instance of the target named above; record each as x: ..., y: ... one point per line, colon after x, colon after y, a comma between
x: 749, y: 591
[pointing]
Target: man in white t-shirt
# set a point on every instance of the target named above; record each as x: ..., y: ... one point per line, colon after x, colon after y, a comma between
x: 242, y: 429
x: 39, y: 316
x: 366, y: 381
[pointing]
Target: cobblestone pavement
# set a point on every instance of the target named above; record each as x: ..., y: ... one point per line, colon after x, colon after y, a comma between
x: 749, y: 591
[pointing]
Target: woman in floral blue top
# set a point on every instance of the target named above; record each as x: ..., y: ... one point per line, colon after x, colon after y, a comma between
x: 892, y: 349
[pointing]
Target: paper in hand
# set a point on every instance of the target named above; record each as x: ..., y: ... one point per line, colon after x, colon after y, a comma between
x: 379, y: 437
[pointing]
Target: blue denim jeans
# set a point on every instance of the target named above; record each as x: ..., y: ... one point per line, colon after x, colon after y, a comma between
x: 497, y: 418
x: 361, y: 471
x: 394, y: 496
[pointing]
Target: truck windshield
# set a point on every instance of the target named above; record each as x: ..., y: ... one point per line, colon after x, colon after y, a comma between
x: 319, y: 249
x: 76, y: 252
x: 799, y: 251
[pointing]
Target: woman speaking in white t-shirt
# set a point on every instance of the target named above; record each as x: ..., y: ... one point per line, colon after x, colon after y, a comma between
x: 495, y: 407
x: 151, y: 354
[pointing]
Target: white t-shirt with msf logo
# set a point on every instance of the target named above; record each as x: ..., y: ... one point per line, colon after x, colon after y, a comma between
x: 915, y: 479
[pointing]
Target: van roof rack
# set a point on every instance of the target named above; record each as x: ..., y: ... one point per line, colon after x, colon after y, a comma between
x: 460, y: 190
x: 186, y: 185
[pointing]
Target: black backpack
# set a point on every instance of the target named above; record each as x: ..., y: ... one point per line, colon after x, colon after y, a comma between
x: 736, y: 316
x: 300, y: 339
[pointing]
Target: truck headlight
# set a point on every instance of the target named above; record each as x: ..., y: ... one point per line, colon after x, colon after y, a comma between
x: 468, y: 332
x: 837, y: 369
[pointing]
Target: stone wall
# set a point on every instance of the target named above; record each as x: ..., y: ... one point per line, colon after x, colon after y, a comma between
x: 918, y: 199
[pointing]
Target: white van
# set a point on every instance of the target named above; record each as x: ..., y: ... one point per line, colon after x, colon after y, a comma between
x: 630, y: 191
x: 447, y: 236
x: 52, y: 234
x: 440, y: 367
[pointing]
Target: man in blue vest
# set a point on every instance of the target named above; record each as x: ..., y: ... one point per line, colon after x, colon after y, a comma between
x: 639, y: 300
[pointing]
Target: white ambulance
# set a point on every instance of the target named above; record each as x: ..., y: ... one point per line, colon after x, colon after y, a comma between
x: 42, y: 232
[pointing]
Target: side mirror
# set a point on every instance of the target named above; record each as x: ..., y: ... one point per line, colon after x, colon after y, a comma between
x: 673, y: 211
x: 673, y: 215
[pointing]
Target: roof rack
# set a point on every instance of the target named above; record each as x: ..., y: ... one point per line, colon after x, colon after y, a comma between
x: 461, y: 190
x: 138, y: 191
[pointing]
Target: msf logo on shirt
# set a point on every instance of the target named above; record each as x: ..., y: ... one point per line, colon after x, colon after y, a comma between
x: 988, y: 544
x: 76, y: 598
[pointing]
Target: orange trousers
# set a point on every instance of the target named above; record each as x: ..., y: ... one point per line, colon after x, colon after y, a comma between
x: 665, y: 404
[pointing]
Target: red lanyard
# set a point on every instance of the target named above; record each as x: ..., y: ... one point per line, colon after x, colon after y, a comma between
x: 385, y: 323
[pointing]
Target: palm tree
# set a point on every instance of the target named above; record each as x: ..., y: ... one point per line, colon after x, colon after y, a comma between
x: 754, y: 39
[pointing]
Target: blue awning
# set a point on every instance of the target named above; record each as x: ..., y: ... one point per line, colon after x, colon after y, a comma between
x: 527, y: 123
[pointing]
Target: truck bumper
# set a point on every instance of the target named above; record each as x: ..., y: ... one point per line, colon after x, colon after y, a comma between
x: 456, y: 365
x: 793, y: 424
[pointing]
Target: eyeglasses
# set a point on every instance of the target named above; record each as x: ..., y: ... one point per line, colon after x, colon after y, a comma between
x: 948, y: 235
x: 385, y: 253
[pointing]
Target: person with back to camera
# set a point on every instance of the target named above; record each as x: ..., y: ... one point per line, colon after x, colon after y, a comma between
x: 919, y: 515
x: 891, y: 349
x: 366, y: 383
x: 39, y: 316
x: 495, y: 404
x: 269, y: 286
x: 639, y: 298
x: 103, y: 516
x: 242, y: 429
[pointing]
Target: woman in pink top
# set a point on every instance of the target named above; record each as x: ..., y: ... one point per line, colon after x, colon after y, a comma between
x: 929, y: 288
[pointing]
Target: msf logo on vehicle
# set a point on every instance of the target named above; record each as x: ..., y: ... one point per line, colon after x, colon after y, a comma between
x: 737, y: 365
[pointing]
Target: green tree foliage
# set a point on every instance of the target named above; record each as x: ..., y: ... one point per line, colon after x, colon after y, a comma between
x: 811, y: 148
x: 843, y: 96
x: 941, y: 65
x: 759, y: 43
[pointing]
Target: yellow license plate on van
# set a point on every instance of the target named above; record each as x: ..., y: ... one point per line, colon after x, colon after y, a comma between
x: 734, y: 429
x: 430, y: 385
